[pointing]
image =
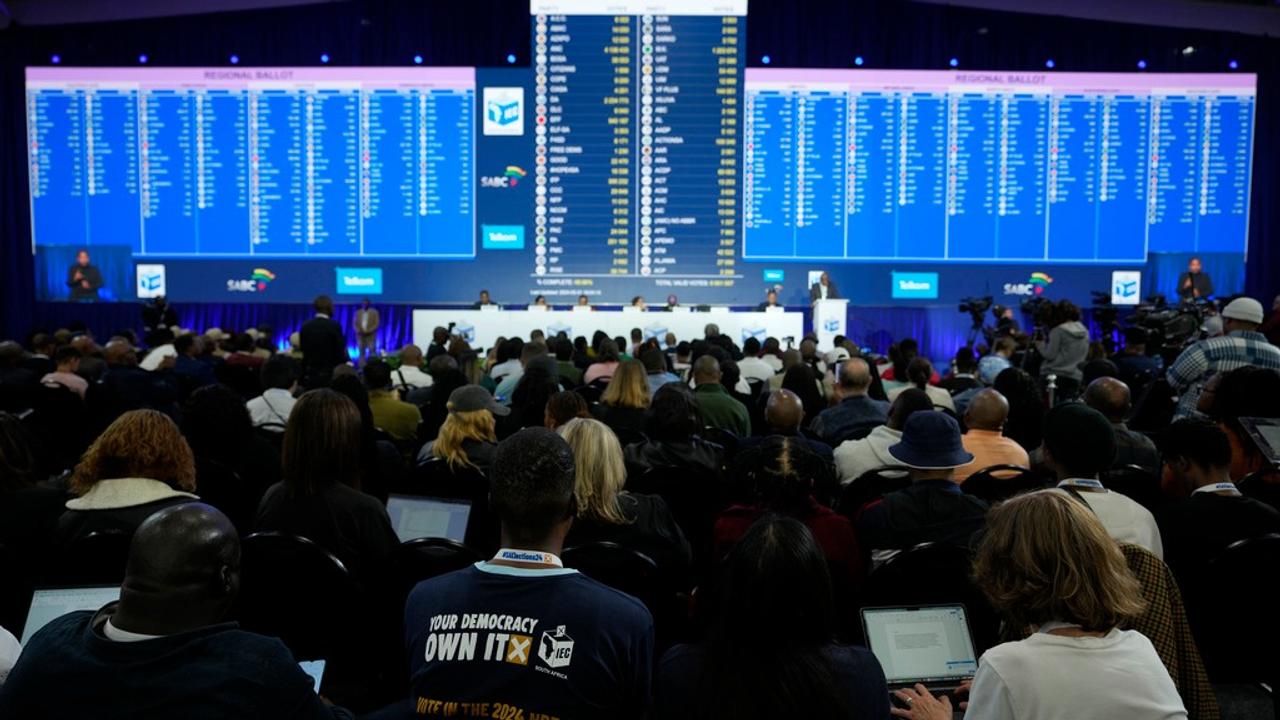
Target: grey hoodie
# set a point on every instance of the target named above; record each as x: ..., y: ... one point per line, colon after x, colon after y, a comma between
x: 1066, y: 350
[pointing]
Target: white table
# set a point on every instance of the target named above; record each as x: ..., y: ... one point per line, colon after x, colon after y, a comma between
x: 482, y: 327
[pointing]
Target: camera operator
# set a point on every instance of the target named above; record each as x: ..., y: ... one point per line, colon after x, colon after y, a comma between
x: 1065, y: 350
x: 1242, y: 345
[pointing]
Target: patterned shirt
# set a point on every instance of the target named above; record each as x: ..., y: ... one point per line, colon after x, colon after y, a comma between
x: 1203, y: 360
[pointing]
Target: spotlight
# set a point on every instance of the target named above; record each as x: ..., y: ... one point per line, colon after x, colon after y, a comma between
x: 142, y: 59
x: 1049, y: 63
x: 417, y: 59
x: 953, y: 62
x: 235, y: 59
x: 1189, y: 50
x: 1142, y: 64
x: 765, y: 60
x: 56, y: 59
x: 511, y: 59
x: 324, y: 58
x: 858, y: 61
x: 1233, y: 64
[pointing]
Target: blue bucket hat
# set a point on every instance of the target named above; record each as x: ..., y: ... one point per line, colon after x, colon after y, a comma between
x: 931, y: 441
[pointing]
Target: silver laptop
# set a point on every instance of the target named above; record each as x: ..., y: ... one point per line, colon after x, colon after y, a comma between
x: 927, y: 644
x: 1265, y: 433
x: 50, y: 604
x: 414, y: 517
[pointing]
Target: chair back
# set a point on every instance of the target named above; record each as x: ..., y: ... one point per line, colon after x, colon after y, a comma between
x: 293, y: 589
x: 1001, y: 482
x: 98, y: 558
x: 692, y: 494
x: 241, y: 378
x: 434, y: 478
x: 724, y: 438
x: 1263, y: 486
x: 934, y: 574
x: 1234, y: 620
x: 592, y: 391
x: 621, y: 568
x: 1136, y: 482
x: 871, y: 486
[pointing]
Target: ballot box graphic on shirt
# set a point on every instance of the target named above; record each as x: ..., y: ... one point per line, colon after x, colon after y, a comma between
x: 556, y: 649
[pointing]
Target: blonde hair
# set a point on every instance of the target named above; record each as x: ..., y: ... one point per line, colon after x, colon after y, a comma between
x: 599, y: 470
x: 1046, y: 556
x: 629, y: 386
x: 139, y: 444
x: 458, y: 427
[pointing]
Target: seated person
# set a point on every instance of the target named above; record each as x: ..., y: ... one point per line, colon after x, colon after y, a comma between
x: 166, y: 649
x: 1048, y: 566
x: 468, y: 437
x: 1136, y: 368
x: 606, y: 512
x: 66, y: 362
x: 1079, y: 443
x: 965, y: 376
x: 563, y: 407
x: 656, y: 373
x: 855, y: 411
x: 671, y: 436
x: 270, y: 410
x: 932, y: 509
x: 138, y: 465
x: 856, y: 457
x: 234, y: 466
x: 775, y: 580
x: 625, y: 401
x: 532, y: 350
x: 243, y: 353
x: 606, y: 362
x: 1213, y: 513
x: 570, y: 373
x: 564, y: 645
x: 718, y: 408
x: 919, y: 370
x: 1110, y: 397
x: 752, y: 366
x: 394, y: 416
x: 781, y: 481
x: 985, y: 438
x: 784, y: 416
x: 320, y: 497
x: 410, y: 373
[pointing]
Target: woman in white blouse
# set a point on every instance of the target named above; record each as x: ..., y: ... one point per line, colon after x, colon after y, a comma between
x: 1048, y: 565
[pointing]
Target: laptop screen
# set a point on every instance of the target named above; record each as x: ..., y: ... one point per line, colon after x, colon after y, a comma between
x: 921, y: 644
x: 1265, y: 433
x: 416, y: 517
x: 48, y: 605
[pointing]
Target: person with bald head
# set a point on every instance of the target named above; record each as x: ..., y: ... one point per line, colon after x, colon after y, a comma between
x: 784, y: 416
x: 166, y: 649
x: 1110, y: 397
x: 719, y: 408
x: 410, y: 373
x: 984, y: 439
x: 855, y: 414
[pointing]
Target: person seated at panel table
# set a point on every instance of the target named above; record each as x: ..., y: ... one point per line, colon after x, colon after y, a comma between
x: 540, y: 301
x: 583, y: 301
x: 770, y: 301
x: 638, y: 303
x: 672, y: 303
x: 483, y: 301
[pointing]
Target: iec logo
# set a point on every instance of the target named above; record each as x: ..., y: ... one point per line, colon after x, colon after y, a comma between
x: 555, y: 329
x: 359, y: 281
x: 556, y: 649
x: 504, y: 111
x: 1035, y: 286
x: 255, y: 284
x: 502, y: 237
x: 915, y: 286
x: 466, y: 331
x: 831, y: 325
x: 656, y: 330
x: 151, y: 281
x: 758, y: 333
x: 1126, y: 287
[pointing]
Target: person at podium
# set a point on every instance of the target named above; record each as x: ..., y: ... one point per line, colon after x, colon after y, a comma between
x: 1194, y: 284
x: 824, y: 289
x: 483, y: 301
x: 770, y: 301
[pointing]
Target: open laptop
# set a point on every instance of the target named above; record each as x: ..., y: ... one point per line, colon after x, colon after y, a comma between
x: 1265, y: 433
x: 51, y: 603
x: 927, y: 644
x: 414, y: 516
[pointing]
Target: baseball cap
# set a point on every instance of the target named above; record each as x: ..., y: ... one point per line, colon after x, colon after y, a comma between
x: 1245, y: 309
x: 470, y: 398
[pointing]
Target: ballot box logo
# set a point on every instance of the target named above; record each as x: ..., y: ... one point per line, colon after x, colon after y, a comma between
x: 151, y: 283
x: 656, y: 330
x: 1126, y: 287
x: 466, y: 331
x: 504, y: 111
x: 758, y: 333
x: 831, y: 325
x: 556, y: 648
x: 555, y: 329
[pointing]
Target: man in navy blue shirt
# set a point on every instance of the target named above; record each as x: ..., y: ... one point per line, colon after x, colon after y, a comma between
x: 856, y: 412
x: 520, y: 635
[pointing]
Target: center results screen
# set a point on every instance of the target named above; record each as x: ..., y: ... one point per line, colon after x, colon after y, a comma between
x: 634, y: 155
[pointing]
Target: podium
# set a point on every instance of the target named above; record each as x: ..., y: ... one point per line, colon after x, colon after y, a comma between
x: 829, y: 319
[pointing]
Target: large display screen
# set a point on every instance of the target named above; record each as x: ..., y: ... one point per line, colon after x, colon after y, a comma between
x: 632, y: 156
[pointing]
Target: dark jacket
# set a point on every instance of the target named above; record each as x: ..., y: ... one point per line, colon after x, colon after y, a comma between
x: 695, y: 454
x: 71, y: 669
x: 324, y: 346
x: 651, y: 529
x: 348, y: 523
x: 927, y: 511
x: 815, y: 291
x: 626, y: 423
x: 1199, y: 281
x: 117, y: 505
x: 89, y: 273
x: 837, y: 423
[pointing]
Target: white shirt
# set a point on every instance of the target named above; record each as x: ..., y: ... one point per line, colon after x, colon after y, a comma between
x: 411, y: 375
x: 773, y: 361
x: 855, y: 457
x: 9, y: 652
x: 272, y: 408
x: 1052, y: 677
x: 157, y: 356
x: 936, y: 394
x: 822, y: 291
x: 1124, y: 519
x: 754, y: 368
x: 504, y: 369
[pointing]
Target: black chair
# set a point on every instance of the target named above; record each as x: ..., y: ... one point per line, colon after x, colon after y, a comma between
x: 98, y: 558
x: 423, y: 559
x: 1263, y: 486
x: 241, y: 378
x: 1139, y: 483
x: 434, y: 478
x: 692, y: 494
x: 592, y: 391
x: 16, y: 587
x: 934, y: 574
x: 1001, y: 482
x: 621, y: 568
x: 293, y: 589
x: 724, y: 438
x: 1234, y: 619
x: 869, y: 487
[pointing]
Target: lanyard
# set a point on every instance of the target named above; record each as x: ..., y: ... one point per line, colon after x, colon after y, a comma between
x: 1083, y: 483
x: 1219, y: 487
x: 534, y: 557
